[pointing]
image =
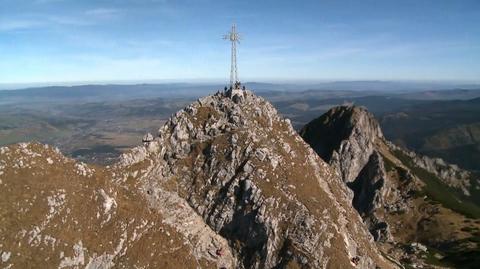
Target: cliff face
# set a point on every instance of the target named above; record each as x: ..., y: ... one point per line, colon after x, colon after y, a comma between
x: 345, y: 137
x: 402, y: 197
x: 256, y: 183
x: 56, y: 212
x: 226, y: 183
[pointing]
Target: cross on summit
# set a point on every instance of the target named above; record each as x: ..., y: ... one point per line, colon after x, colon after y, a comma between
x: 235, y: 85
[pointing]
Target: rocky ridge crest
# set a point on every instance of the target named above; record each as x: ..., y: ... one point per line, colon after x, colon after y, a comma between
x: 388, y: 182
x: 226, y: 183
x: 450, y: 174
x: 255, y: 182
x: 348, y: 136
x: 56, y: 212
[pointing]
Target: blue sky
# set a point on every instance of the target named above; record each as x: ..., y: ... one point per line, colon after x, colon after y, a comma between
x: 143, y: 40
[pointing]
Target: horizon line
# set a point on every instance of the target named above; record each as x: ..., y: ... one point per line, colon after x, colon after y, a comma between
x: 25, y: 85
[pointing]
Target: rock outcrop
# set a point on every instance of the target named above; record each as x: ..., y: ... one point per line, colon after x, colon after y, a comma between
x: 395, y: 191
x: 256, y: 183
x: 345, y: 137
x: 226, y: 183
x: 369, y: 188
x: 56, y: 212
x: 450, y: 174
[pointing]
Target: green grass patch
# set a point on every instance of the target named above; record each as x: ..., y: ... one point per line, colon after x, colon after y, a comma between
x: 431, y: 259
x: 469, y: 229
x: 475, y: 187
x: 437, y: 191
x: 464, y: 259
x: 457, y: 257
x: 389, y: 165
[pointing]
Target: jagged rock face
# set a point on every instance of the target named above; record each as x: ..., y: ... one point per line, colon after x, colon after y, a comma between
x: 345, y: 137
x: 450, y: 174
x: 256, y: 183
x: 55, y: 212
x: 388, y: 187
x: 369, y: 189
x: 226, y: 183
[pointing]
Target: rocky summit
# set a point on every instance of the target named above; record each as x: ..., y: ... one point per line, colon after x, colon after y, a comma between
x: 420, y: 210
x: 226, y: 183
x: 345, y: 137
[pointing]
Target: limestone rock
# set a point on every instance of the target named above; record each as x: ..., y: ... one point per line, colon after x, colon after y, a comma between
x: 345, y: 137
x: 257, y: 184
x: 388, y: 183
x: 226, y: 184
x: 450, y: 174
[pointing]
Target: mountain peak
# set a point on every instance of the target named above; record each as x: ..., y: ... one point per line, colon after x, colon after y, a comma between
x: 346, y: 131
x: 225, y: 183
x: 403, y: 198
x: 251, y: 177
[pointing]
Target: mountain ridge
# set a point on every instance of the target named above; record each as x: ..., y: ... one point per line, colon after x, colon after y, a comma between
x: 221, y: 184
x: 404, y: 198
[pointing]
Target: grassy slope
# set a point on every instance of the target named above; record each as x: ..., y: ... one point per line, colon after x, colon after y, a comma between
x: 455, y: 253
x: 439, y: 192
x: 446, y: 129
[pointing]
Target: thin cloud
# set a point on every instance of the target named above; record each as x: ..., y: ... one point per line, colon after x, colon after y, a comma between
x: 69, y: 21
x: 103, y: 13
x: 34, y: 21
x: 13, y: 25
x: 149, y: 44
x: 46, y: 1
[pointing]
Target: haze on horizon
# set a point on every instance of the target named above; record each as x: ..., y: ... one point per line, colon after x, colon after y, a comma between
x: 126, y: 40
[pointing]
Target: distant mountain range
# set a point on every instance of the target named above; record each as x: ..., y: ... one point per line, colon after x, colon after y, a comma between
x: 84, y: 121
x: 446, y: 129
x: 96, y: 92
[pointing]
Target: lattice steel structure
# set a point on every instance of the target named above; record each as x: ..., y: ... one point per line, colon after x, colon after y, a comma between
x: 233, y: 37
